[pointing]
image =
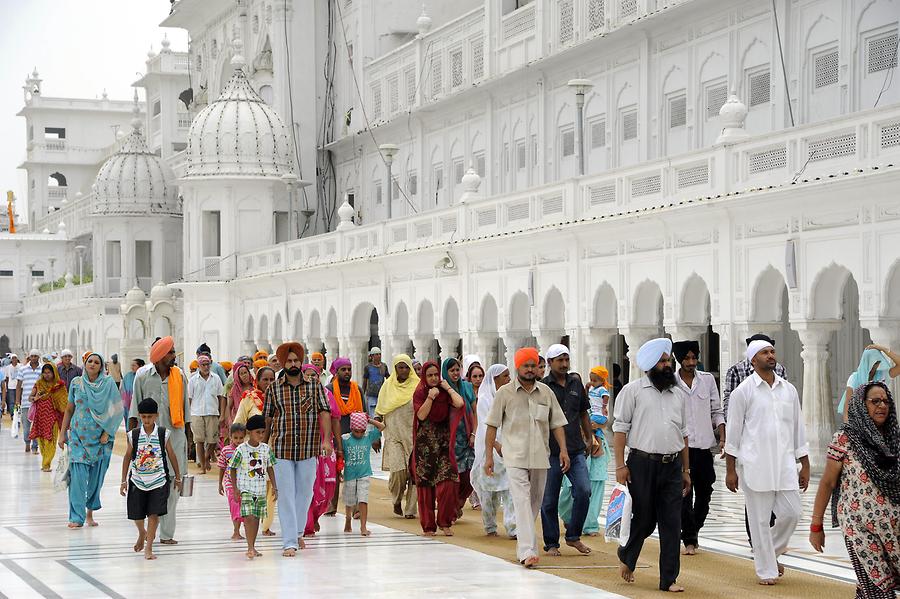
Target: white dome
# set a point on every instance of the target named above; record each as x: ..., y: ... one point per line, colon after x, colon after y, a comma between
x: 161, y: 292
x: 134, y: 296
x: 135, y: 180
x: 238, y: 134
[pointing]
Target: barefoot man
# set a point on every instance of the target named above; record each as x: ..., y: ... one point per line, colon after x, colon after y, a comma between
x: 165, y: 383
x: 527, y: 411
x: 765, y: 440
x: 649, y: 419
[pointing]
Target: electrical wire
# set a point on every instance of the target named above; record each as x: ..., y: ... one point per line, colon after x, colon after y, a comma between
x: 362, y: 105
x: 889, y: 76
x: 287, y: 51
x: 787, y: 91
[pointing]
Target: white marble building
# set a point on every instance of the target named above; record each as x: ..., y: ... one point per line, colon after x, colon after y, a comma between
x: 721, y: 193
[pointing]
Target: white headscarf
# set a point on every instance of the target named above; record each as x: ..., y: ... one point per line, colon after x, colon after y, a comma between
x: 486, y: 394
x: 467, y: 362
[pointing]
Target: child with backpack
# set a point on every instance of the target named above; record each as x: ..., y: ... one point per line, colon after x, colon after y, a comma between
x: 145, y: 475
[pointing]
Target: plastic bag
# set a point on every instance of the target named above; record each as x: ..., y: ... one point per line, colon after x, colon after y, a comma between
x: 14, y: 429
x: 61, y: 471
x: 618, y: 515
x: 32, y: 412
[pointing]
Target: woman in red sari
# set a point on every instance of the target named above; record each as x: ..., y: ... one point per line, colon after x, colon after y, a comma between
x: 48, y: 400
x: 438, y: 413
x: 327, y: 467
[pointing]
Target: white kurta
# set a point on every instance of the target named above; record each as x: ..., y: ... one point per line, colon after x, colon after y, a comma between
x: 765, y: 432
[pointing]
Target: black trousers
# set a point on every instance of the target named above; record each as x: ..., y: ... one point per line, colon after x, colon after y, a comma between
x: 655, y: 501
x: 695, y: 507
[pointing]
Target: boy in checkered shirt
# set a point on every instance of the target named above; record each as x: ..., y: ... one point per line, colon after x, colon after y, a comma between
x: 250, y: 468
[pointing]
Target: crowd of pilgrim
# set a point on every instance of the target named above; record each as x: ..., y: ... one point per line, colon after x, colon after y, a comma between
x: 518, y: 442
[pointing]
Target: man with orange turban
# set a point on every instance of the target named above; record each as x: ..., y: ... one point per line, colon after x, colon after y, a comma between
x: 528, y: 412
x: 296, y: 412
x: 164, y: 382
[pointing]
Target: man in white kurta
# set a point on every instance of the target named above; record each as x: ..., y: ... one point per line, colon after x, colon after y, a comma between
x: 765, y: 440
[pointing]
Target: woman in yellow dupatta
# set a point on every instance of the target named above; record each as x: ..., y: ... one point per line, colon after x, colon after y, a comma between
x: 395, y: 409
x: 48, y: 398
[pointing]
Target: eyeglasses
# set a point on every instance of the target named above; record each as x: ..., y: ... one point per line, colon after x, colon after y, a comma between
x: 879, y: 402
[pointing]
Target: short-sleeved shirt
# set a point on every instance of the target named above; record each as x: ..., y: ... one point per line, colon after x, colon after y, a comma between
x: 526, y: 417
x: 357, y: 454
x: 652, y: 420
x: 574, y: 402
x: 374, y: 378
x: 67, y: 375
x: 295, y: 418
x: 204, y: 394
x: 147, y: 470
x: 252, y: 464
x: 29, y: 377
x: 12, y: 376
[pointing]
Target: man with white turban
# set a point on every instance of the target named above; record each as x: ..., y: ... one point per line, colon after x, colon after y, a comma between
x: 650, y: 421
x: 765, y: 438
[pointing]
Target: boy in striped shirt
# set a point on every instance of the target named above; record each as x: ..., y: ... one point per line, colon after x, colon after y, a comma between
x: 145, y: 474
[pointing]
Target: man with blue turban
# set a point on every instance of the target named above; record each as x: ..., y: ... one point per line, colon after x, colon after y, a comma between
x: 650, y: 421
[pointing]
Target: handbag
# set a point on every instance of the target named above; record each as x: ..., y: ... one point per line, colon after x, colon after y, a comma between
x: 16, y: 422
x: 32, y: 412
x: 61, y: 474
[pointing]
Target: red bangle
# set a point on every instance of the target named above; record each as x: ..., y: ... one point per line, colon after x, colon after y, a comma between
x: 816, y: 528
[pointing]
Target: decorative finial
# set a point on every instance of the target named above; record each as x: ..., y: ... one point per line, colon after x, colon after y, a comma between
x: 423, y: 23
x: 238, y: 61
x: 346, y: 213
x: 732, y: 114
x: 471, y: 181
x: 34, y: 73
x: 104, y: 96
x: 150, y: 53
x: 136, y: 113
x: 165, y: 43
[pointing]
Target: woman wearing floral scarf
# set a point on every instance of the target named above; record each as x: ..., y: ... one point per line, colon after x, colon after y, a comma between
x: 92, y: 417
x: 864, y: 457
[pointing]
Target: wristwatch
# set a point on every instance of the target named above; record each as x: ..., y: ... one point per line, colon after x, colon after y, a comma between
x: 688, y: 471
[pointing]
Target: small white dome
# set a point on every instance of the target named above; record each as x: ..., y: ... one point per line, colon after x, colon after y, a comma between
x: 134, y: 179
x: 238, y: 134
x: 161, y: 292
x: 134, y: 297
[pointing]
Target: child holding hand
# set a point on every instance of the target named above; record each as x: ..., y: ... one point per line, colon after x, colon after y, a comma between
x: 358, y: 467
x: 251, y: 466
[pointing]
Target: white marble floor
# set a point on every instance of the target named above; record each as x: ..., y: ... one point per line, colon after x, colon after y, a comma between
x: 40, y: 557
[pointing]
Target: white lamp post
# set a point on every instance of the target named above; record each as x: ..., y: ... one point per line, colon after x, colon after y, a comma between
x: 290, y: 180
x: 389, y: 151
x: 580, y: 86
x: 79, y: 250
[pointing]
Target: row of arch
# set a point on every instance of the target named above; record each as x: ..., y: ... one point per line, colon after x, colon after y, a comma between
x: 646, y: 309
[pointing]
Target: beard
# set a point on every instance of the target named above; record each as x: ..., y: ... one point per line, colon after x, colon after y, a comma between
x: 662, y: 379
x: 293, y: 371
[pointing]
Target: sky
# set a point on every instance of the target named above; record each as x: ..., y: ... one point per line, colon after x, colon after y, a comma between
x: 79, y: 48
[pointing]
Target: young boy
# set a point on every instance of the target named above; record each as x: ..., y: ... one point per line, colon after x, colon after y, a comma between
x: 145, y: 474
x: 358, y: 467
x: 250, y: 467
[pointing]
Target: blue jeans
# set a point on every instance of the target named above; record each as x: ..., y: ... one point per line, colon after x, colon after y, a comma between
x: 84, y: 487
x: 295, y: 480
x: 25, y: 428
x: 581, y: 499
x: 370, y: 405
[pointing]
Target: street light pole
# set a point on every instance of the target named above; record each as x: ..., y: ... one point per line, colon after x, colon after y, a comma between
x: 79, y: 249
x: 389, y: 151
x: 290, y: 180
x: 581, y: 86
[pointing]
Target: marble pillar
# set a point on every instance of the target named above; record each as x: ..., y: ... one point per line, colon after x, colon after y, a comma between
x: 423, y: 348
x: 598, y: 348
x: 635, y: 337
x: 511, y: 342
x: 448, y: 344
x: 816, y: 401
x: 332, y: 350
x: 485, y: 347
